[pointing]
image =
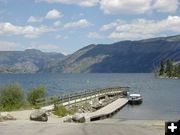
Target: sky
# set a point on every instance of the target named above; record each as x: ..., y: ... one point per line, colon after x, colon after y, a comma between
x: 68, y: 25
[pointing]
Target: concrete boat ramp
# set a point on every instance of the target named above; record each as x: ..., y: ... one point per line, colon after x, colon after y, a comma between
x: 106, y: 111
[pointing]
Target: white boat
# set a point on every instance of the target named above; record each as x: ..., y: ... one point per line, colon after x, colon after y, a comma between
x: 135, y: 99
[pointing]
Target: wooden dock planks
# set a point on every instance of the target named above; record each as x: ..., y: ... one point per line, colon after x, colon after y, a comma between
x: 106, y: 111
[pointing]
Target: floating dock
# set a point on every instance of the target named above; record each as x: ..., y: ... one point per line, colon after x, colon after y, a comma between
x: 72, y: 98
x: 106, y: 111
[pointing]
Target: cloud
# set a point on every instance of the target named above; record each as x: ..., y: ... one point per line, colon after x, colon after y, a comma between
x: 13, y: 46
x: 88, y: 3
x: 8, y: 46
x: 166, y: 5
x: 112, y: 25
x: 107, y: 27
x: 34, y: 19
x: 94, y: 35
x: 82, y: 3
x: 138, y: 6
x: 57, y: 24
x: 128, y: 36
x: 44, y: 47
x: 82, y: 23
x: 53, y: 14
x: 28, y: 31
x: 142, y: 28
x: 61, y: 37
x: 125, y: 6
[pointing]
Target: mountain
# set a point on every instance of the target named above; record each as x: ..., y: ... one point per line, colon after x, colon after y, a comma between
x: 121, y: 57
x: 28, y: 61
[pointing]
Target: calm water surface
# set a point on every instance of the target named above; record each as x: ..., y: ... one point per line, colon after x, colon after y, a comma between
x: 161, y: 96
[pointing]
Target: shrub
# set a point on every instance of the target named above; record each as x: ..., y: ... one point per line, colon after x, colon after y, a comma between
x: 61, y: 111
x: 11, y: 97
x: 1, y: 119
x: 35, y: 93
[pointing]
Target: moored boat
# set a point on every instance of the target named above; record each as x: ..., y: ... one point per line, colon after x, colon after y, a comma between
x: 135, y: 99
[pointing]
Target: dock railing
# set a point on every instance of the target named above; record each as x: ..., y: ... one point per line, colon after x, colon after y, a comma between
x: 79, y: 95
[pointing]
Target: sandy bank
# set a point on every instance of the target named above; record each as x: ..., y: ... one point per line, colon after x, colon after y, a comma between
x: 55, y: 126
x: 24, y: 116
x: 105, y: 127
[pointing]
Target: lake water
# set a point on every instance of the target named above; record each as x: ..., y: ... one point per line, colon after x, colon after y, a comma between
x: 161, y: 96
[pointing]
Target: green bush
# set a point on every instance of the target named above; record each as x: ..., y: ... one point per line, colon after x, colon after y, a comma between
x: 11, y: 97
x: 35, y: 93
x: 1, y: 120
x: 61, y: 111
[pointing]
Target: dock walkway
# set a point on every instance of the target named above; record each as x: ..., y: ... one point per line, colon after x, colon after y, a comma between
x: 72, y: 98
x: 106, y: 111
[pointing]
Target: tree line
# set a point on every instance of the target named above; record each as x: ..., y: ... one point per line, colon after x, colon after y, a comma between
x: 168, y: 69
x: 12, y: 97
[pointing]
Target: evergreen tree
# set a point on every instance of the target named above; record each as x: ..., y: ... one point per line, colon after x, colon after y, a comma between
x: 175, y: 71
x: 162, y: 68
x: 179, y: 70
x: 169, y: 68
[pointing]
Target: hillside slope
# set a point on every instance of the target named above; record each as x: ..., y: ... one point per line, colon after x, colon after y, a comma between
x: 121, y: 57
x: 28, y: 61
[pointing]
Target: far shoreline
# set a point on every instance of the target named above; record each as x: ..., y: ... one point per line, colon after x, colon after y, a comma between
x: 166, y: 77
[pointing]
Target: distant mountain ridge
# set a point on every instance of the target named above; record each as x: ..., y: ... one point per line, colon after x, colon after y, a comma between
x: 28, y: 61
x: 141, y: 56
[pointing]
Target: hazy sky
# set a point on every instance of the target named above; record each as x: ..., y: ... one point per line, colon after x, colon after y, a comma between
x: 68, y: 25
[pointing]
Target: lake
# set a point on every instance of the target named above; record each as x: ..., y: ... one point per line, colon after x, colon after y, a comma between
x: 161, y: 97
